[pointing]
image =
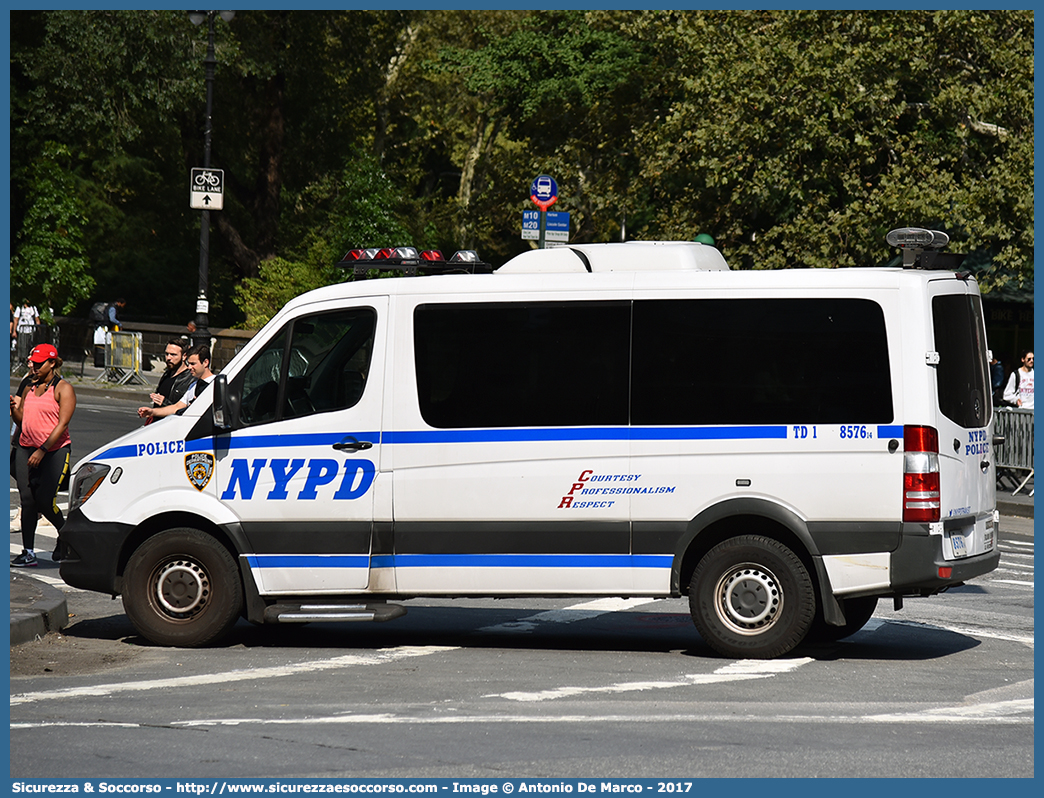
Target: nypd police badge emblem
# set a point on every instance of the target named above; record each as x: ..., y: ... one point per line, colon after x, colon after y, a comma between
x: 199, y: 467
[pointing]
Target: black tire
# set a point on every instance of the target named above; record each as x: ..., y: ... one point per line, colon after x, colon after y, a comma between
x: 182, y: 588
x: 857, y: 612
x: 752, y: 597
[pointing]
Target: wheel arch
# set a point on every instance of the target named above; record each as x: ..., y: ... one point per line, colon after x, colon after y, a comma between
x: 752, y: 516
x: 172, y: 520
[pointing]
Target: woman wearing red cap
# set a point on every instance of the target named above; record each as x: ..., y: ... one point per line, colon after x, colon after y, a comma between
x: 43, y: 410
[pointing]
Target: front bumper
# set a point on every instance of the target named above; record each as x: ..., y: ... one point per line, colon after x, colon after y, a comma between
x: 93, y: 553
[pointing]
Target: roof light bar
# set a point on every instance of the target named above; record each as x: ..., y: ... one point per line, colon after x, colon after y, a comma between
x: 914, y: 241
x: 411, y: 261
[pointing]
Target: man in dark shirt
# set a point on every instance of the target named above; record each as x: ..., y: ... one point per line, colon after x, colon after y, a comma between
x: 176, y: 379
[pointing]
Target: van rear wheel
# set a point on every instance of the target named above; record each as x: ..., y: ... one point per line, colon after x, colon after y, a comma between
x: 752, y: 597
x: 182, y: 588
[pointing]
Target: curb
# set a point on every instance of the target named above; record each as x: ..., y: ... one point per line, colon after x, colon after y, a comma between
x: 1016, y: 509
x: 36, y: 609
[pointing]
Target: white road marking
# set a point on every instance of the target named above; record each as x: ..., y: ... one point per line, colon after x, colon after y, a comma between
x: 1016, y: 712
x: 1013, y: 582
x: 997, y: 710
x: 968, y: 630
x: 577, y: 612
x: 378, y: 657
x: 740, y: 671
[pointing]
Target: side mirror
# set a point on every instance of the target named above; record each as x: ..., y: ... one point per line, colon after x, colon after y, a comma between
x: 222, y: 407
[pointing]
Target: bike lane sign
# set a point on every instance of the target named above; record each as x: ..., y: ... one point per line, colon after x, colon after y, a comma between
x: 207, y: 189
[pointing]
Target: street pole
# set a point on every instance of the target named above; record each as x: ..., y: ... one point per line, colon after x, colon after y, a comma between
x: 201, y: 335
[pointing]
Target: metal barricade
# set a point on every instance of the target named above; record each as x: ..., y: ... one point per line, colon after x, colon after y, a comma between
x: 122, y: 359
x: 1015, y: 456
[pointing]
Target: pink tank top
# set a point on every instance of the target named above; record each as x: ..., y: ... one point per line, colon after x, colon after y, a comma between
x: 39, y: 418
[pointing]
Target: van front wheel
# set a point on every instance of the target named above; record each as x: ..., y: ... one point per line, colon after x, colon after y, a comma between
x: 752, y: 597
x: 182, y: 588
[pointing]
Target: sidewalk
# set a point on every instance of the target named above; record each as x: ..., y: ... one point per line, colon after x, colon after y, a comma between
x: 36, y: 608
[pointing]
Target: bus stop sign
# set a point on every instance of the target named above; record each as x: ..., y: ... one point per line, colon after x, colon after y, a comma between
x: 544, y: 192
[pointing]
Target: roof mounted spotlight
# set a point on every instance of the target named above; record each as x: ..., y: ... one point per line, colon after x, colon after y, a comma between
x: 922, y: 249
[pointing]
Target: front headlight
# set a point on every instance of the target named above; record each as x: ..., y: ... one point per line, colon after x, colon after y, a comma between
x: 86, y: 481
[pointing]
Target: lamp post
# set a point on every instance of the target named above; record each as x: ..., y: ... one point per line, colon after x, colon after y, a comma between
x: 201, y: 335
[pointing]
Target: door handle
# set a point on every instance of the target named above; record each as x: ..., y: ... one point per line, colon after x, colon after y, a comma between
x: 351, y: 444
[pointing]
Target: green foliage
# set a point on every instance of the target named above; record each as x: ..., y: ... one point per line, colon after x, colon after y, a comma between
x: 800, y: 138
x: 279, y: 281
x: 50, y: 266
x: 793, y: 137
x: 362, y: 208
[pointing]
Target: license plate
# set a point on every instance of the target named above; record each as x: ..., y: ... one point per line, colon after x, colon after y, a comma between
x: 958, y: 543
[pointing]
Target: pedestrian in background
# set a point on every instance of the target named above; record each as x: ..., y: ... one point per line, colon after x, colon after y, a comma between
x: 14, y: 335
x: 176, y: 379
x: 1019, y: 389
x: 43, y: 410
x: 198, y: 360
x: 28, y: 320
x: 106, y: 316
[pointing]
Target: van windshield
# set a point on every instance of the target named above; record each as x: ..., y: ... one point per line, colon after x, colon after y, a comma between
x: 962, y: 373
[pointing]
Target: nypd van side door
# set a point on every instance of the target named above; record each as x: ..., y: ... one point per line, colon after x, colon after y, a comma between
x: 300, y: 464
x: 501, y: 436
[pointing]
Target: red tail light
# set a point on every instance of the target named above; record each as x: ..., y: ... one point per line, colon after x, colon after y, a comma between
x: 921, y: 488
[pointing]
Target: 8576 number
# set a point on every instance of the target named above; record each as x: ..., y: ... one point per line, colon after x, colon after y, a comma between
x: 855, y: 432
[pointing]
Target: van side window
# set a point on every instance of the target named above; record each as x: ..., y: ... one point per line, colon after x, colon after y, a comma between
x: 760, y: 361
x: 962, y: 371
x: 316, y: 364
x: 522, y: 364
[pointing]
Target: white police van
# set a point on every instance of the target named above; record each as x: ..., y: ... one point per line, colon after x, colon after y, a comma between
x: 782, y: 447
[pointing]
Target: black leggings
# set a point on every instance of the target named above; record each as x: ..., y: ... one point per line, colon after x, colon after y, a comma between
x: 38, y: 489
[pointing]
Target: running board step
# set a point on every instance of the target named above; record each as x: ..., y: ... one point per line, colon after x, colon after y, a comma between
x: 310, y: 613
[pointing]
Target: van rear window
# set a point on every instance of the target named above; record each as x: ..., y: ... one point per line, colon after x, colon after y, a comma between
x: 760, y: 361
x: 962, y: 371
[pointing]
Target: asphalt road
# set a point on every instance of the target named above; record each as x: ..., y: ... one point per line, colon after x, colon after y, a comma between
x: 552, y: 688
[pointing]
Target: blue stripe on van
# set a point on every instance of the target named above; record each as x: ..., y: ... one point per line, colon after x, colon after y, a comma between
x: 890, y: 431
x: 309, y: 560
x: 535, y: 435
x: 461, y: 561
x: 707, y: 433
x: 117, y: 452
x: 523, y: 561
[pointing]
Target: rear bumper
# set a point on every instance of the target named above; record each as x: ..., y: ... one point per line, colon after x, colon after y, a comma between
x: 916, y: 563
x: 93, y: 553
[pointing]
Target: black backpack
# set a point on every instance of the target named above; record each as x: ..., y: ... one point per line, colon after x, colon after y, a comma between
x: 99, y: 312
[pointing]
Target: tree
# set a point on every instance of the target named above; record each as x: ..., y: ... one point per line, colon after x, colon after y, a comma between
x: 49, y: 266
x: 112, y: 87
x: 800, y: 138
